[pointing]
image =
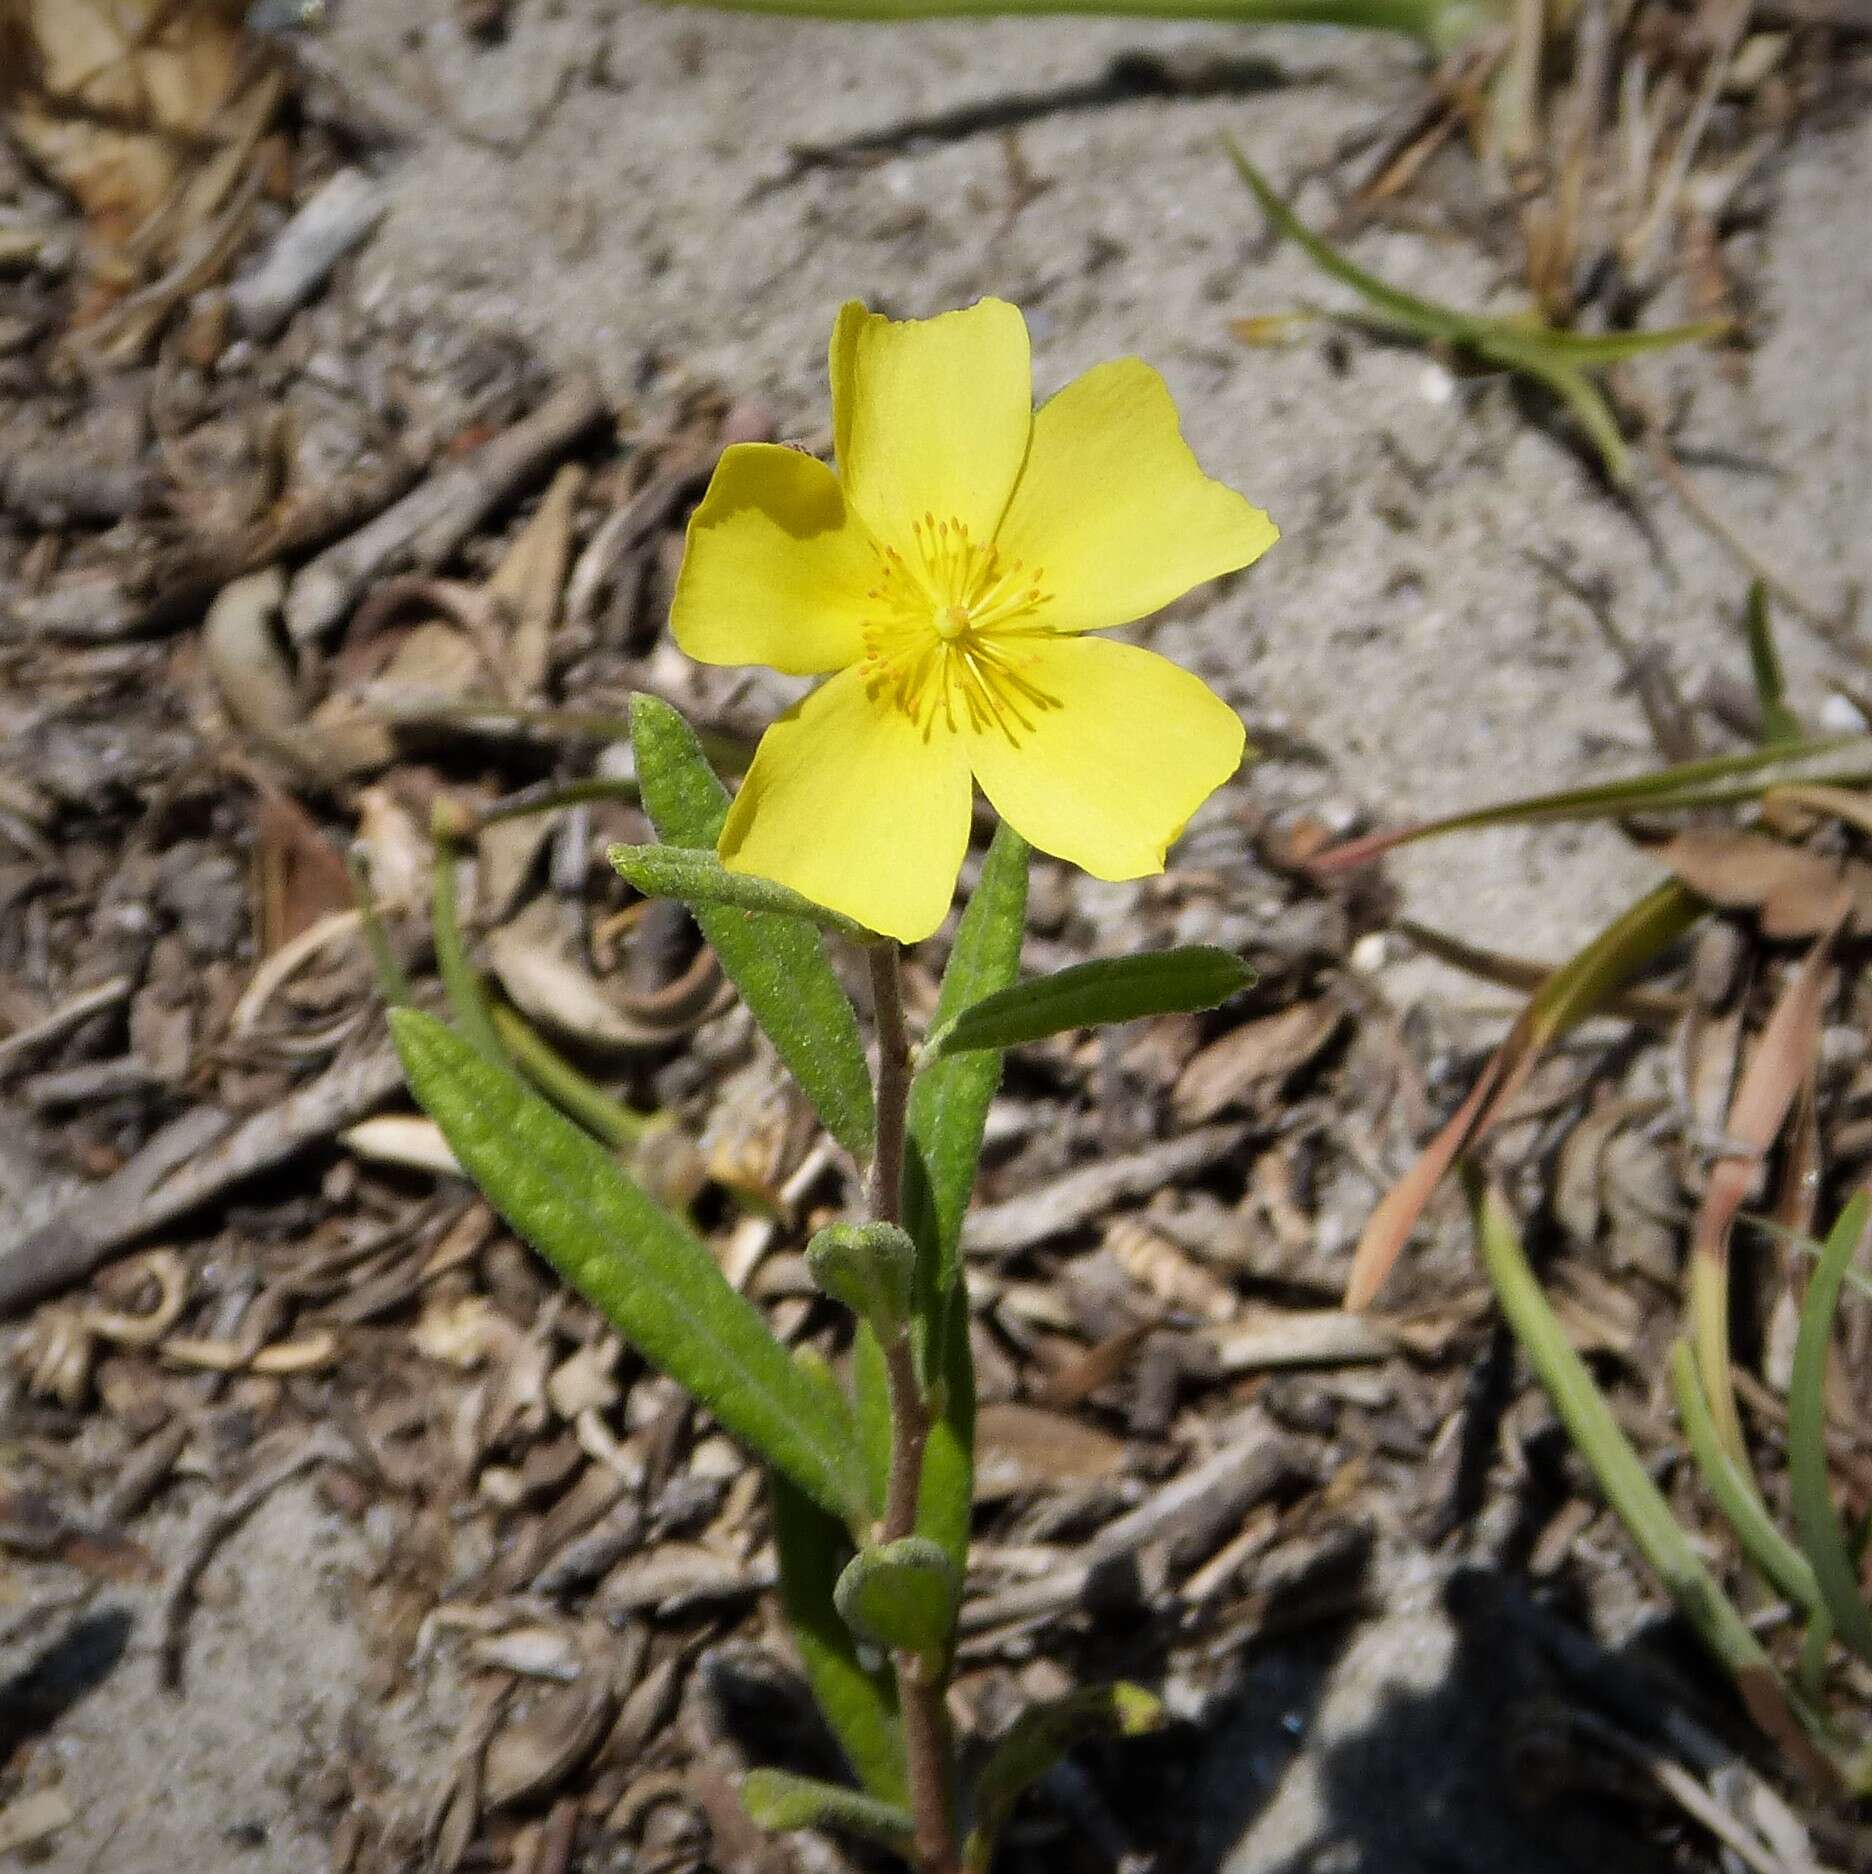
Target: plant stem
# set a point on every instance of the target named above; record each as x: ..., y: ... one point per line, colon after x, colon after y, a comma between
x: 893, y: 1081
x: 921, y: 1684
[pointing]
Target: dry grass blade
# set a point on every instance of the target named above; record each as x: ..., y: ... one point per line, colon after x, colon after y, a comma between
x: 1781, y: 1064
x: 1577, y: 989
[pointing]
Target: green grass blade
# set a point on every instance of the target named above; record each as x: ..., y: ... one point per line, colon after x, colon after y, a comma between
x: 461, y: 983
x: 777, y: 963
x: 1442, y: 25
x: 1821, y: 1532
x: 655, y: 1282
x: 859, y: 1705
x: 1734, y: 1490
x: 1575, y: 392
x: 1421, y: 316
x: 1717, y: 781
x: 1587, y: 350
x: 1781, y: 728
x: 618, y: 1125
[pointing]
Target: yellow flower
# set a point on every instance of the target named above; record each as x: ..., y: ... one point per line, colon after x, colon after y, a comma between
x: 948, y: 573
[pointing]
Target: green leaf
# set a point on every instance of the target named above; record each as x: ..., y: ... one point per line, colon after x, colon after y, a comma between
x: 1588, y: 350
x: 900, y: 1596
x: 870, y: 1268
x: 1734, y: 1490
x: 1422, y: 316
x: 654, y: 1281
x: 871, y: 1402
x: 1115, y: 989
x: 946, y: 1495
x: 949, y: 1102
x: 1442, y: 25
x: 1780, y: 726
x: 948, y: 1110
x: 1571, y: 387
x: 859, y: 1705
x: 694, y: 875
x: 779, y: 1800
x: 1821, y: 1533
x: 618, y: 1125
x: 778, y: 964
x: 1038, y: 1739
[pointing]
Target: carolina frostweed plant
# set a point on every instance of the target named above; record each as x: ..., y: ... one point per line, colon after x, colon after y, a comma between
x: 945, y: 577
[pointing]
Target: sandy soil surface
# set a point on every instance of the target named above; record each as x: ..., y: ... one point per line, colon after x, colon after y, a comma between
x: 617, y: 181
x: 646, y: 210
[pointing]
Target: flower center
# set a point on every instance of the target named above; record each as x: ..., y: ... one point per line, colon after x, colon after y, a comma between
x: 948, y: 634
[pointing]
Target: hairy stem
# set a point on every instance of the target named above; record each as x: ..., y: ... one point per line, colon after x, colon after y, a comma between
x: 920, y: 1683
x: 893, y: 1082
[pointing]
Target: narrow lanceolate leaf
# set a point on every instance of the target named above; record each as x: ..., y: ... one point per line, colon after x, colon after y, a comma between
x: 948, y: 1111
x: 1115, y: 989
x: 654, y: 1281
x: 1040, y: 1737
x: 1735, y: 1491
x: 779, y: 1800
x: 949, y: 1103
x: 695, y: 876
x: 1822, y: 1537
x: 859, y: 1705
x: 1781, y: 727
x: 777, y: 963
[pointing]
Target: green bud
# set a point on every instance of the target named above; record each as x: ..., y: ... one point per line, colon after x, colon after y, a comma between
x: 871, y: 1268
x: 900, y: 1596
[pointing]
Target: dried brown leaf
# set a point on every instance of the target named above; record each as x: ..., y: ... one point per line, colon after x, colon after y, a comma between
x: 1023, y: 1447
x: 535, y: 1752
x: 1258, y: 1055
x: 1795, y: 892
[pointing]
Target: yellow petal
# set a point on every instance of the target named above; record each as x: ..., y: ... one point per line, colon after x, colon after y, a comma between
x: 1109, y: 772
x: 1112, y: 515
x: 931, y: 416
x: 848, y: 803
x: 776, y: 566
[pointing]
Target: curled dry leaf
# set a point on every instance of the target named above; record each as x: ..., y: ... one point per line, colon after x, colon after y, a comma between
x: 527, y: 585
x: 536, y: 1750
x: 1256, y: 1057
x: 1168, y: 1271
x: 536, y: 961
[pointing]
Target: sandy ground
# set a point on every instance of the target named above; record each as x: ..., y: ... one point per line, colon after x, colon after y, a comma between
x: 644, y: 209
x: 642, y: 213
